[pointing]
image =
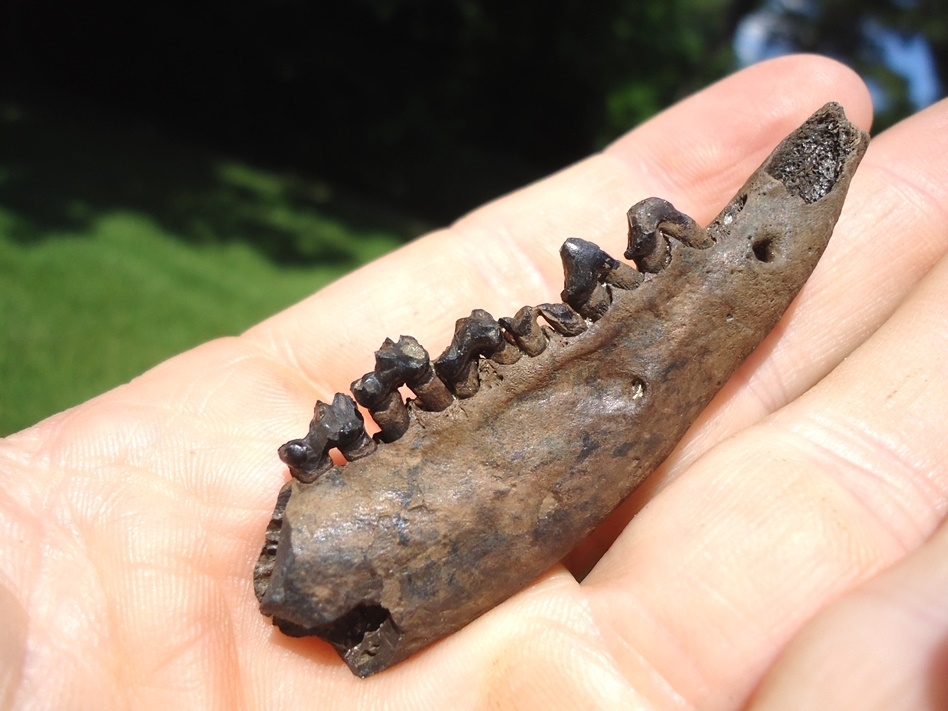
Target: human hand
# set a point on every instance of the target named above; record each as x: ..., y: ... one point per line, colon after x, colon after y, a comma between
x: 791, y: 552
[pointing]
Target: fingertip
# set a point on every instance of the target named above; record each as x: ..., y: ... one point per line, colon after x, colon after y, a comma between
x: 699, y: 151
x: 815, y: 79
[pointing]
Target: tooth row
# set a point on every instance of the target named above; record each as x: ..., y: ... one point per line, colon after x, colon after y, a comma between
x: 397, y: 364
x: 590, y: 274
x: 339, y: 425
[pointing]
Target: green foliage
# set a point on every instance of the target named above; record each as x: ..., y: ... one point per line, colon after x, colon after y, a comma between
x: 119, y: 249
x: 434, y: 106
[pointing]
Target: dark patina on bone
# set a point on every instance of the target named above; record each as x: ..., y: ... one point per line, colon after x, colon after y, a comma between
x: 529, y: 430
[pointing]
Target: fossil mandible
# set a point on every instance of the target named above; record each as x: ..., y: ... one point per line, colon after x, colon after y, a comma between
x: 523, y: 437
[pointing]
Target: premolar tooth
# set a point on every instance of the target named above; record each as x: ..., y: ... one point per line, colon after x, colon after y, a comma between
x: 458, y: 366
x: 651, y: 222
x: 585, y: 267
x: 369, y: 390
x: 346, y: 429
x: 392, y: 367
x: 306, y: 464
x: 384, y: 402
x: 563, y: 319
x: 525, y: 330
x: 415, y: 365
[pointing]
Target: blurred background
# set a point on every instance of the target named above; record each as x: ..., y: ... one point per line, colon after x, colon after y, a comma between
x: 171, y: 172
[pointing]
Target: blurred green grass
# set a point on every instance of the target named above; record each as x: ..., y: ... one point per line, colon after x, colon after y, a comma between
x: 120, y: 248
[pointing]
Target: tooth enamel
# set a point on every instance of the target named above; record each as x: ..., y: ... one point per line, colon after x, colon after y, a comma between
x: 563, y: 319
x: 525, y: 331
x: 477, y: 334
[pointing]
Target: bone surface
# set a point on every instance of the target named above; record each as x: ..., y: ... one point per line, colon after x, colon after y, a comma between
x: 465, y: 506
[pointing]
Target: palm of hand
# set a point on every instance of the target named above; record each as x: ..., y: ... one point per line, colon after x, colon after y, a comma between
x: 132, y: 522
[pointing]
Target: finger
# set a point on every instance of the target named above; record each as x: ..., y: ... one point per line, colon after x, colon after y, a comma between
x: 882, y: 646
x: 424, y: 287
x: 889, y: 235
x: 718, y: 572
x: 200, y: 430
x: 505, y: 255
x: 886, y: 239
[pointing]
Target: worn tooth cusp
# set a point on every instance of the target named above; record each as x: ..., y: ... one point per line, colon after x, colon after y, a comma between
x: 563, y: 319
x: 525, y: 331
x: 478, y: 334
x: 651, y: 222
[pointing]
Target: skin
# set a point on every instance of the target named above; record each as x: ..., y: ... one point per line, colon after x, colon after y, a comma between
x: 791, y: 553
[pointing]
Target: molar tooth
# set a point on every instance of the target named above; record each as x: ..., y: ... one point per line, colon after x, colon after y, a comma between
x: 525, y: 330
x: 381, y: 397
x: 337, y: 425
x: 346, y: 428
x: 369, y: 390
x: 651, y: 222
x: 458, y: 366
x: 563, y: 319
x: 585, y: 267
x: 415, y: 364
x: 305, y: 464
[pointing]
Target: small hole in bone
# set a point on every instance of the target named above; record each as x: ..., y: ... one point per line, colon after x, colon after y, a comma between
x: 638, y: 388
x: 764, y: 249
x: 350, y: 629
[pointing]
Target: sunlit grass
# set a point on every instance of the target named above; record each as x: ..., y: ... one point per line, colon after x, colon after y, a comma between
x: 84, y: 312
x: 119, y: 249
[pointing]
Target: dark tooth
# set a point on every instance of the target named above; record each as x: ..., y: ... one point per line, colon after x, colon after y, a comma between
x: 394, y: 366
x: 458, y: 366
x: 391, y: 415
x: 347, y: 428
x: 397, y: 364
x: 525, y: 330
x: 305, y: 463
x: 337, y: 425
x: 585, y: 267
x: 369, y: 391
x: 651, y: 222
x: 420, y: 376
x: 563, y: 319
x: 378, y: 392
